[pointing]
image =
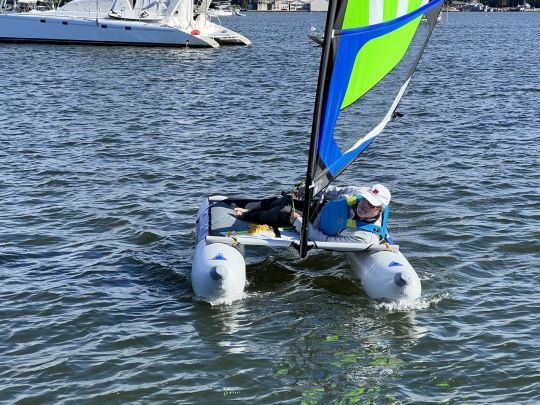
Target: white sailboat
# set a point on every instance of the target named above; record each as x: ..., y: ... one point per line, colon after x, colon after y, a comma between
x: 170, y: 23
x: 316, y: 36
x: 370, y: 52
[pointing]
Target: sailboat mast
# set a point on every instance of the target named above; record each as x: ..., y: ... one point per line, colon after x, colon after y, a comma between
x: 317, y: 114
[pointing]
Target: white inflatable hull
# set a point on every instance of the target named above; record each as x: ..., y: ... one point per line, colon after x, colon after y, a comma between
x: 218, y: 271
x: 386, y: 274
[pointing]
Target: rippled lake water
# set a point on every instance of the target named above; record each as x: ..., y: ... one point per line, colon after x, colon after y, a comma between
x: 106, y: 154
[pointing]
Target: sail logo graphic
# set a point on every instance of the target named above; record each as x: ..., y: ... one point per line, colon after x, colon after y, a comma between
x: 219, y: 256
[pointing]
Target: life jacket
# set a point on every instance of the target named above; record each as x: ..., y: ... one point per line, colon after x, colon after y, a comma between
x: 334, y: 218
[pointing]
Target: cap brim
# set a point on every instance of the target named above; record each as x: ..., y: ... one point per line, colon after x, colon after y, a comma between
x: 372, y: 199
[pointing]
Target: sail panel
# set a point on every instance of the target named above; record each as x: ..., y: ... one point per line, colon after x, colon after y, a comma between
x: 365, y: 55
x: 356, y: 14
x: 387, y: 50
x: 390, y: 10
x: 361, y: 13
x: 355, y: 73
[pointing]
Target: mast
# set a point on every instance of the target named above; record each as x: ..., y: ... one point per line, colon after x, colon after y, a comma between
x: 316, y: 125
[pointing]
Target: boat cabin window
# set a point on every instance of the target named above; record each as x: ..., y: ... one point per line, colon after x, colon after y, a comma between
x: 42, y: 21
x: 103, y: 26
x: 127, y: 28
x: 64, y: 22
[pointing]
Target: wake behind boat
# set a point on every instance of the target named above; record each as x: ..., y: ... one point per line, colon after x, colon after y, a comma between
x: 170, y: 23
x: 370, y: 52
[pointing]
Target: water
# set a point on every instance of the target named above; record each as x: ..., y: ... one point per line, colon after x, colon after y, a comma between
x: 106, y: 154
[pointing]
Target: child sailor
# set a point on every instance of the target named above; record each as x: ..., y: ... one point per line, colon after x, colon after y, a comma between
x: 345, y: 214
x: 350, y: 214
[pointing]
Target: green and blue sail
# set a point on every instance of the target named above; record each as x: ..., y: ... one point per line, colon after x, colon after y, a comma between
x: 365, y: 40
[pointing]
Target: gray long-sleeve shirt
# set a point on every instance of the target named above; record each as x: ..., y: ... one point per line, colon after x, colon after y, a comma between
x: 347, y: 235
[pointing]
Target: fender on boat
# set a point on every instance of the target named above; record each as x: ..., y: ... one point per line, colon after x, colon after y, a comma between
x: 218, y: 271
x: 386, y: 274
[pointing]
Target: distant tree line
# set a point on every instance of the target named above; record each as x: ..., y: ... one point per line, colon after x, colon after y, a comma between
x: 503, y: 3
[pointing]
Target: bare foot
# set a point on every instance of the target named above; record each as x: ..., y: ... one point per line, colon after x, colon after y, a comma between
x: 239, y: 212
x: 293, y: 217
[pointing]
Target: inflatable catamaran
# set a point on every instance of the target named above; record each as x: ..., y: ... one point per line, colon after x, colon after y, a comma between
x: 371, y: 49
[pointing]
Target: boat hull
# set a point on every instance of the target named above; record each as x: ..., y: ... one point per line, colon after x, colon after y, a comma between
x: 221, y: 34
x: 218, y: 271
x: 229, y: 37
x: 386, y: 274
x: 317, y: 38
x: 69, y: 30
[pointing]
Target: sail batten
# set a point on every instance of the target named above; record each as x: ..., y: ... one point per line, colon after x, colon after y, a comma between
x: 370, y: 45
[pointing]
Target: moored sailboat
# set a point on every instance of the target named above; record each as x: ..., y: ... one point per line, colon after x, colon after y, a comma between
x: 170, y: 23
x: 370, y: 52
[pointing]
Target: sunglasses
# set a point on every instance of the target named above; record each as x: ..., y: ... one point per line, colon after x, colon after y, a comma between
x: 368, y: 205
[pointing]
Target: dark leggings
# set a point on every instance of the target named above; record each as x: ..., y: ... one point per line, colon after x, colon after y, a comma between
x: 274, y: 211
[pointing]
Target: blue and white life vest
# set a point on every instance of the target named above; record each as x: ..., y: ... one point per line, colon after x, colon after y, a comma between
x: 334, y: 217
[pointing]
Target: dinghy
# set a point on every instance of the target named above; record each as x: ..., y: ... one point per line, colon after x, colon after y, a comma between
x: 316, y: 36
x: 370, y: 52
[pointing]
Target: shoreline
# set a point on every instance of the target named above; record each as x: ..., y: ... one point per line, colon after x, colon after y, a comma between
x: 492, y: 10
